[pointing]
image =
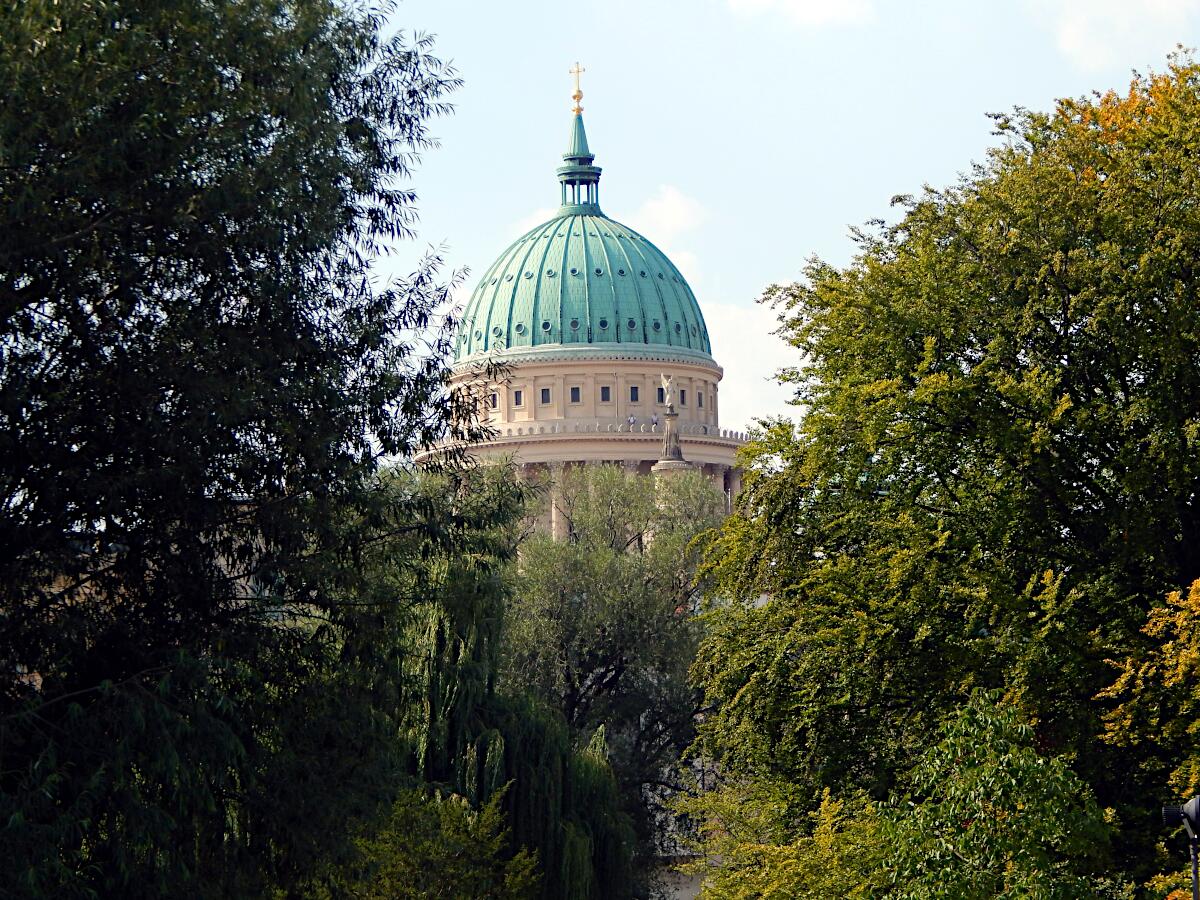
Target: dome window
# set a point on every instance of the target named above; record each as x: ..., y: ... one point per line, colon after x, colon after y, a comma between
x: 678, y: 328
x: 675, y: 278
x: 574, y: 271
x: 494, y: 280
x: 478, y: 335
x: 509, y: 278
x: 642, y: 273
x: 497, y: 331
x: 574, y: 324
x: 549, y: 273
x: 693, y: 331
x: 528, y: 274
x: 604, y: 323
x: 657, y: 325
x: 660, y: 275
x: 631, y: 325
x: 546, y: 325
x: 620, y: 271
x: 599, y: 271
x: 520, y: 329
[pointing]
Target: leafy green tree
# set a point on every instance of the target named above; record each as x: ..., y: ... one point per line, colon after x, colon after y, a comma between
x: 982, y: 814
x: 995, y: 475
x: 198, y: 374
x: 438, y: 847
x: 987, y: 815
x: 756, y: 839
x: 602, y: 626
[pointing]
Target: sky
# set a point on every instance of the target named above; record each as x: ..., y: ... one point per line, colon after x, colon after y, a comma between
x: 744, y: 137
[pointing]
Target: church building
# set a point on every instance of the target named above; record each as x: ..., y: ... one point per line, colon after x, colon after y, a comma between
x: 604, y: 347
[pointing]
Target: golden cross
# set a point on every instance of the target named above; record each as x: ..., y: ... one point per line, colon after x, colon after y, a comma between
x: 578, y: 95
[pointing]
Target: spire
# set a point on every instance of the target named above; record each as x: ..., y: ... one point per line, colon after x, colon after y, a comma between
x: 580, y: 180
x: 578, y: 148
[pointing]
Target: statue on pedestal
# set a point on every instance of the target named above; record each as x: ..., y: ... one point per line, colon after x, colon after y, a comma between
x: 671, y: 451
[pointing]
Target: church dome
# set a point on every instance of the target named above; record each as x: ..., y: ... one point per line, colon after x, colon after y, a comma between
x: 582, y: 285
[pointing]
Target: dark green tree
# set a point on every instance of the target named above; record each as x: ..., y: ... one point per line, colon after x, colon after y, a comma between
x: 995, y: 476
x: 198, y: 371
x: 603, y: 625
x: 443, y: 592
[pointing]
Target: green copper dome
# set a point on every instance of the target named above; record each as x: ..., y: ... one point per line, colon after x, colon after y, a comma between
x: 582, y: 285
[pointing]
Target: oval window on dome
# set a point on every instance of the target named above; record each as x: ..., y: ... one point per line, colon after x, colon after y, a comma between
x: 603, y: 323
x: 642, y: 273
x: 574, y: 271
x: 620, y: 271
x: 509, y: 278
x: 693, y: 331
x: 478, y: 335
x: 497, y: 331
x: 494, y: 280
x: 520, y: 329
x: 678, y: 328
x: 631, y: 325
x: 528, y: 274
x: 657, y: 325
x: 660, y: 275
x: 549, y: 273
x: 675, y: 278
x: 546, y: 325
x: 599, y: 271
x: 574, y: 324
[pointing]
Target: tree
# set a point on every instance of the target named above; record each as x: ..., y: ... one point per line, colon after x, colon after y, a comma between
x: 995, y: 475
x: 199, y: 373
x: 982, y: 814
x: 1158, y: 693
x: 603, y: 625
x: 755, y: 839
x: 988, y: 816
x: 436, y: 583
x: 1155, y: 717
x: 438, y: 847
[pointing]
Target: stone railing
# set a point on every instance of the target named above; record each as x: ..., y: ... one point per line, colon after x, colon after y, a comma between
x: 613, y: 426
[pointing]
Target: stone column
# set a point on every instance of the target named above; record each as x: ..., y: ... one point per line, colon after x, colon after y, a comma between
x: 558, y: 521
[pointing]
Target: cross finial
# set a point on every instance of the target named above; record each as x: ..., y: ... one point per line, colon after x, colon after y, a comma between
x: 577, y: 70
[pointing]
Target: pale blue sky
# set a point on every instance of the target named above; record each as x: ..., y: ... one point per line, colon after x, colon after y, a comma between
x: 743, y: 136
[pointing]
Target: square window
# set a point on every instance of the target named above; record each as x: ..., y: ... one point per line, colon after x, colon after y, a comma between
x: 518, y: 398
x: 700, y: 399
x: 605, y: 393
x: 494, y: 400
x: 662, y: 396
x: 633, y: 393
x: 682, y: 397
x: 545, y: 395
x: 575, y: 395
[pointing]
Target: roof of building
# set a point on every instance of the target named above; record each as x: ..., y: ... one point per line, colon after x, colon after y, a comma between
x: 582, y: 285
